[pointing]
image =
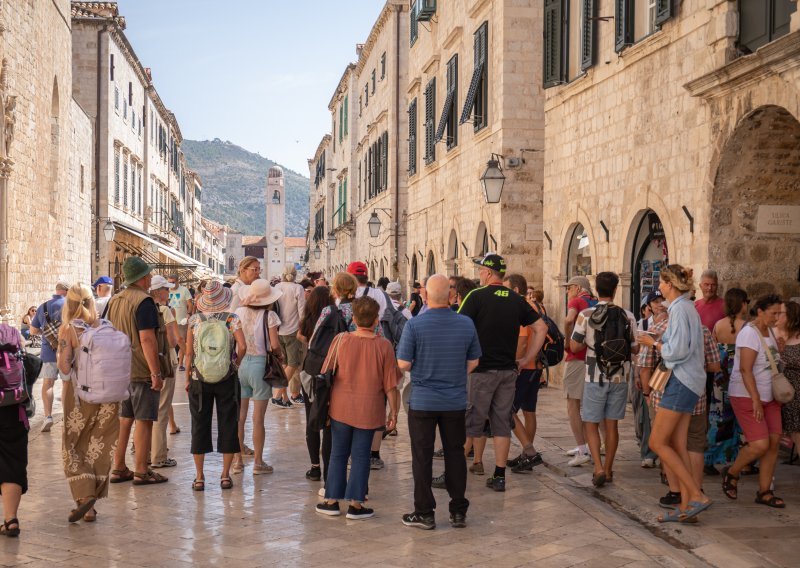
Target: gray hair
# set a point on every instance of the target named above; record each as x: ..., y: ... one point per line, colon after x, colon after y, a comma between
x: 710, y: 274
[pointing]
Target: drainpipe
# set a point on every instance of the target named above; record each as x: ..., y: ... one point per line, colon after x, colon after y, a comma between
x: 398, y: 110
x: 97, y: 123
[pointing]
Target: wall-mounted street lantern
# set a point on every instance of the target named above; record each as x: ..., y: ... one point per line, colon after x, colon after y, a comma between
x: 317, y: 251
x: 374, y: 225
x: 331, y: 241
x: 493, y: 180
x: 109, y: 231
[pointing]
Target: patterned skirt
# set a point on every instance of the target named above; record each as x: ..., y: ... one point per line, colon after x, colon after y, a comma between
x: 724, y: 432
x: 90, y: 439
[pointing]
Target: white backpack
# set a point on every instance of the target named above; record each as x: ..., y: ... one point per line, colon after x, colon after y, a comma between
x: 212, y: 349
x: 102, y: 363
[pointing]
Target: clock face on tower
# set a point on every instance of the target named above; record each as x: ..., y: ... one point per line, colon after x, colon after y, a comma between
x: 275, y: 237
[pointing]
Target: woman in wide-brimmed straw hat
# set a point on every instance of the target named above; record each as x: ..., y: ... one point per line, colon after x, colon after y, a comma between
x: 256, y: 302
x: 212, y: 379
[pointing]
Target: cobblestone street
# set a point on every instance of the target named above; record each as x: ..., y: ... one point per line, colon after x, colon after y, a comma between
x: 543, y: 519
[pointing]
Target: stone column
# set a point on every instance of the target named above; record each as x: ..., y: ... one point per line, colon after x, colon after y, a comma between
x: 5, y: 309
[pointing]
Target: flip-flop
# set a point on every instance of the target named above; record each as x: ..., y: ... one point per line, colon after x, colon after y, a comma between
x: 226, y: 483
x: 674, y: 516
x: 177, y: 431
x: 599, y: 479
x: 696, y: 507
x: 78, y: 513
x: 123, y: 475
x: 90, y: 516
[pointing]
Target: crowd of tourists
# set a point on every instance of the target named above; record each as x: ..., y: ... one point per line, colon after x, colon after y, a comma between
x: 712, y: 381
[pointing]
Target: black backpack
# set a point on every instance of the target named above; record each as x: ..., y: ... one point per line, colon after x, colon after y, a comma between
x: 333, y: 325
x: 552, y: 351
x: 612, y: 338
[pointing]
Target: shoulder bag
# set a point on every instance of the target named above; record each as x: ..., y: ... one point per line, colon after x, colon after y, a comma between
x: 50, y: 329
x: 322, y: 385
x: 782, y: 389
x: 274, y: 375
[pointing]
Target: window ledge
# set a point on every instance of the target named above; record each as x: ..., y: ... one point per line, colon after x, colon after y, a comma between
x: 414, y: 85
x: 428, y: 67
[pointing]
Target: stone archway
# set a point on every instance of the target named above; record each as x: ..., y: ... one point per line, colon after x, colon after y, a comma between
x: 756, y: 186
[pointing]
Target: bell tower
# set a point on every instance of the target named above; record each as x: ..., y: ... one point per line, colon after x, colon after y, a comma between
x: 275, y: 251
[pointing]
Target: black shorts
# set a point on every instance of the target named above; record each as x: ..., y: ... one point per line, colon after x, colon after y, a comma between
x: 527, y: 392
x: 203, y: 397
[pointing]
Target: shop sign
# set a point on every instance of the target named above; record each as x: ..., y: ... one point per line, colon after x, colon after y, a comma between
x: 656, y: 228
x: 778, y: 219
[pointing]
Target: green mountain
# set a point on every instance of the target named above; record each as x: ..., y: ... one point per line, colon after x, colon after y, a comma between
x: 234, y: 187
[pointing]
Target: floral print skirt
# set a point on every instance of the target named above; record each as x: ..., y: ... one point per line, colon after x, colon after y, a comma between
x: 88, y: 444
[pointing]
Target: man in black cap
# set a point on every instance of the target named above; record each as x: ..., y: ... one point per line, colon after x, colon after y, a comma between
x: 498, y: 314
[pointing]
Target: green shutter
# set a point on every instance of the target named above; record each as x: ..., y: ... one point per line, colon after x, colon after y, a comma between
x: 385, y: 160
x: 412, y: 138
x: 344, y: 202
x: 588, y: 33
x: 623, y: 24
x: 430, y: 118
x: 414, y: 26
x: 341, y: 123
x: 346, y: 104
x: 663, y: 11
x: 553, y: 43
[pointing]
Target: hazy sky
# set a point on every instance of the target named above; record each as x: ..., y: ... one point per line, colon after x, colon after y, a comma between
x: 259, y: 73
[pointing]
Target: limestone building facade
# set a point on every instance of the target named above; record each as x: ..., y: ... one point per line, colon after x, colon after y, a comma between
x: 140, y: 172
x: 672, y: 136
x: 45, y: 158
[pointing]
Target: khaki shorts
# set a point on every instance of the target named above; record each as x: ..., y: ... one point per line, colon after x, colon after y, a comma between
x: 292, y: 350
x: 698, y: 430
x: 574, y: 379
x: 490, y: 394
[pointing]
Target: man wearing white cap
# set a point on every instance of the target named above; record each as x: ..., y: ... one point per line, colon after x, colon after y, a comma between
x: 168, y: 337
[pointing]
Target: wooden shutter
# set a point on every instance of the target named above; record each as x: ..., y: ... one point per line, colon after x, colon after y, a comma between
x: 344, y: 123
x: 663, y: 11
x: 553, y: 43
x: 385, y: 167
x: 430, y: 118
x: 412, y: 138
x: 588, y: 33
x: 623, y: 25
x: 414, y: 26
x: 452, y: 77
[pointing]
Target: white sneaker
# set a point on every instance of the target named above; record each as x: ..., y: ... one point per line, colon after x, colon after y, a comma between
x: 321, y: 492
x: 579, y: 460
x: 48, y: 423
x: 573, y: 452
x: 648, y: 463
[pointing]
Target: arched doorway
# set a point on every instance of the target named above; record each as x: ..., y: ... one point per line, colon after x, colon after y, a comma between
x: 452, y: 254
x: 649, y: 253
x: 431, y: 267
x: 482, y: 240
x: 579, y: 256
x: 754, y: 229
x: 414, y: 269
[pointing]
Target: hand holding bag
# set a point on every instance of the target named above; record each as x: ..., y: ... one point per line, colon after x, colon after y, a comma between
x: 322, y: 385
x: 782, y: 389
x: 659, y: 377
x: 274, y: 375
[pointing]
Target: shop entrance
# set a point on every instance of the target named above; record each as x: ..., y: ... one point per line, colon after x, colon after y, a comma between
x: 648, y: 255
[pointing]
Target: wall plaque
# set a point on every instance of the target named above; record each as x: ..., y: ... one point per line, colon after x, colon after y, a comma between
x: 778, y: 219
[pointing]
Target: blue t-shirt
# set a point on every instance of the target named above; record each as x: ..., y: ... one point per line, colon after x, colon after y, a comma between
x: 438, y: 343
x: 54, y: 306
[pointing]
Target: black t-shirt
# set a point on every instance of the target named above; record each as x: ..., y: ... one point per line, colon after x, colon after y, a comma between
x: 147, y: 315
x: 417, y: 299
x: 498, y: 314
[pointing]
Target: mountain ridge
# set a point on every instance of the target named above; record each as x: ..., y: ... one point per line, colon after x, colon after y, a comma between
x: 234, y: 187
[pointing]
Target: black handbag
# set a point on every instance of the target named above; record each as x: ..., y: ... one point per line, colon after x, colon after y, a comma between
x: 322, y: 385
x: 274, y: 375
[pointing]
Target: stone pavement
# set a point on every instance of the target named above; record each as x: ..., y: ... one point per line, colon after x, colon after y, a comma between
x: 543, y: 519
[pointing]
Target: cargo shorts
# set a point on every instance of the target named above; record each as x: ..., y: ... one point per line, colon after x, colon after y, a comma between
x: 490, y: 394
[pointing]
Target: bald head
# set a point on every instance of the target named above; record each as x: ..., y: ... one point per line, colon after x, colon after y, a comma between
x: 438, y: 288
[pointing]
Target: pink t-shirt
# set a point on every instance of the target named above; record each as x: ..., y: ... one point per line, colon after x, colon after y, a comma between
x: 710, y: 312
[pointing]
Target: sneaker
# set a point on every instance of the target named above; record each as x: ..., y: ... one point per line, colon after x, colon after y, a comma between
x: 182, y: 368
x: 573, y: 452
x: 515, y: 461
x: 330, y: 509
x: 670, y: 500
x: 579, y: 460
x: 314, y: 474
x: 321, y: 491
x: 376, y: 463
x: 360, y: 513
x: 298, y: 399
x: 424, y: 522
x: 458, y: 520
x: 261, y: 468
x: 527, y: 463
x: 438, y: 454
x: 648, y: 463
x: 169, y: 462
x: 439, y: 482
x: 280, y: 403
x: 496, y: 483
x: 48, y: 424
x: 476, y: 469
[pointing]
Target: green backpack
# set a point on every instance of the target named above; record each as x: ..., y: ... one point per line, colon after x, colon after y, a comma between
x: 212, y: 348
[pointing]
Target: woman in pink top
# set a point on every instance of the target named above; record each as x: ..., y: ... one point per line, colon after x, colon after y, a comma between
x: 366, y: 376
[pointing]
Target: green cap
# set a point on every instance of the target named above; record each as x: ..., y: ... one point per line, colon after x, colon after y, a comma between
x: 134, y: 269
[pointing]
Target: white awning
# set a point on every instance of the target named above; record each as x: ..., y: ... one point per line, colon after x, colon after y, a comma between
x: 166, y: 250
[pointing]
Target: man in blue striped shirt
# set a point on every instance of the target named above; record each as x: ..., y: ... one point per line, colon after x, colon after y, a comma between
x: 439, y: 347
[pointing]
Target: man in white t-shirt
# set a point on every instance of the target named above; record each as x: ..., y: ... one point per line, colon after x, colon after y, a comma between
x: 182, y: 305
x: 605, y: 391
x: 292, y: 305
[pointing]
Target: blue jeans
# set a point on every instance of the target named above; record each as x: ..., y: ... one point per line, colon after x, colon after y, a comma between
x: 354, y: 443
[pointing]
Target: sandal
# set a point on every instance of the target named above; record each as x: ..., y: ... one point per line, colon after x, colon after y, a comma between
x: 226, y: 483
x: 90, y: 516
x: 730, y: 489
x: 149, y: 477
x: 695, y: 508
x: 674, y: 516
x: 248, y: 451
x: 123, y: 475
x: 199, y: 485
x: 237, y: 467
x: 610, y: 477
x: 775, y: 502
x: 83, y: 508
x: 176, y: 431
x: 392, y: 432
x: 7, y: 529
x: 598, y: 479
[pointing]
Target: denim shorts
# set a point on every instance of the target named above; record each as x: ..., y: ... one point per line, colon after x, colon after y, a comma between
x: 251, y: 378
x: 604, y: 402
x: 678, y: 397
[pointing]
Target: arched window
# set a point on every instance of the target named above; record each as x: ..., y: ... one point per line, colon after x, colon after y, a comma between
x: 482, y: 240
x: 231, y: 264
x: 414, y: 269
x: 431, y: 264
x: 452, y: 254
